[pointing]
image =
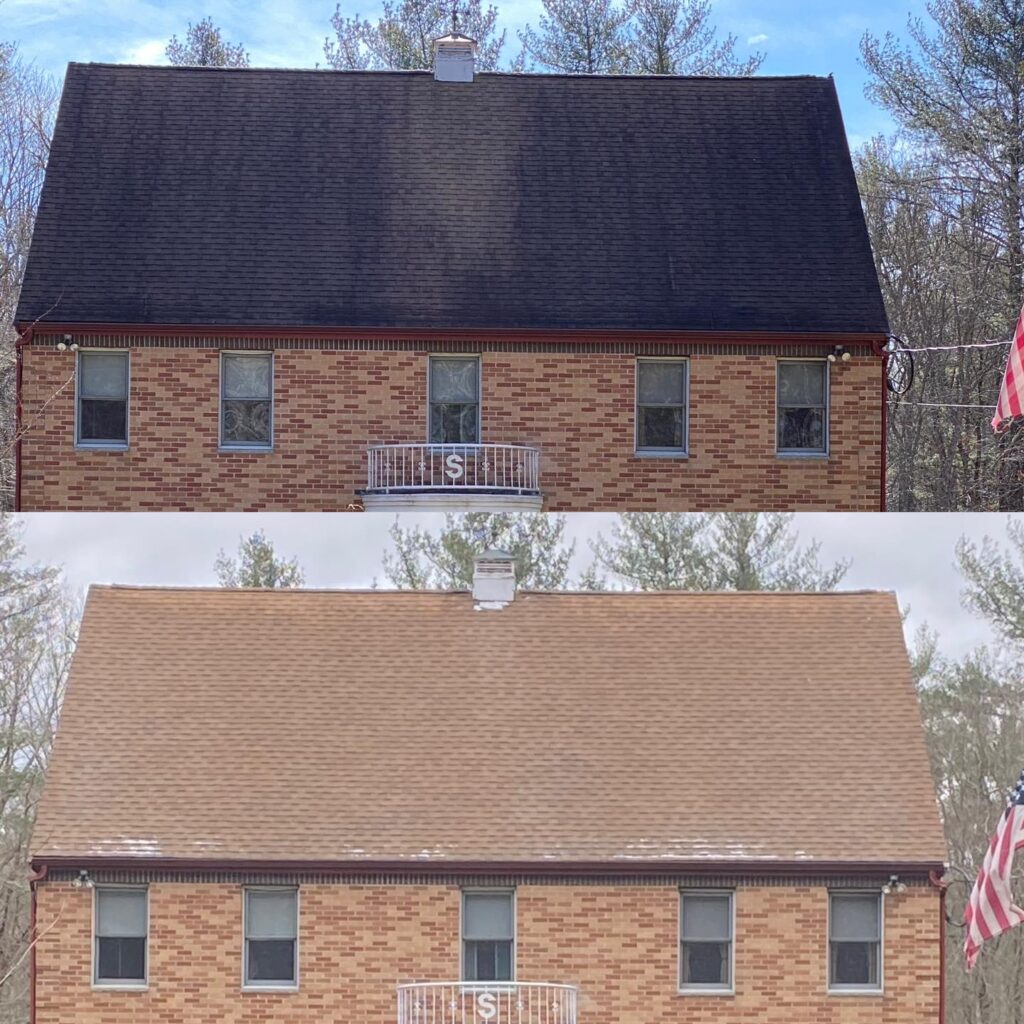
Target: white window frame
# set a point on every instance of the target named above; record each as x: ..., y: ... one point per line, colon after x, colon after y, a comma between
x: 109, y: 446
x: 479, y: 395
x: 228, y: 446
x: 117, y: 984
x: 661, y: 453
x: 805, y: 453
x: 270, y: 986
x: 856, y: 990
x: 706, y: 990
x: 486, y: 891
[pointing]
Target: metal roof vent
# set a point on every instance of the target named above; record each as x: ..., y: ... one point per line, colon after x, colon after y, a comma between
x: 453, y: 58
x: 494, y: 580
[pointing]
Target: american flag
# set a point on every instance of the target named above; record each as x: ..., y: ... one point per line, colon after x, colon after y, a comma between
x: 1011, y: 394
x: 991, y: 910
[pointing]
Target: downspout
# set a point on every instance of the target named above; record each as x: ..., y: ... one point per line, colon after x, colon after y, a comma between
x: 33, y: 881
x: 935, y: 877
x: 880, y: 349
x: 24, y: 339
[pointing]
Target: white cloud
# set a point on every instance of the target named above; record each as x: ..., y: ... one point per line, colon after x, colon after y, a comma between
x: 149, y: 51
x: 761, y: 37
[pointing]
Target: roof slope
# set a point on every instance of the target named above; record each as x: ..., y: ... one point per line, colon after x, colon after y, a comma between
x: 407, y: 726
x: 376, y: 199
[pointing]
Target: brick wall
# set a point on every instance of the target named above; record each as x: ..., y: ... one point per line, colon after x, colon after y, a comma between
x: 576, y: 406
x: 616, y: 942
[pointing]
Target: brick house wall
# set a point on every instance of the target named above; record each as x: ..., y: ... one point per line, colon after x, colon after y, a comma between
x: 574, y: 402
x: 617, y: 942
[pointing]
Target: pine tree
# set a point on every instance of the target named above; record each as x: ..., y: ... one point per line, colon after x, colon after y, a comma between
x: 676, y: 37
x: 578, y: 37
x: 204, y: 46
x: 257, y: 566
x: 443, y: 559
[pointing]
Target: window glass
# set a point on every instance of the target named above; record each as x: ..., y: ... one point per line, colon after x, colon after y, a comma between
x: 246, y: 399
x: 487, y: 933
x: 661, y: 405
x: 102, y: 398
x: 120, y: 936
x: 706, y: 940
x: 454, y: 401
x: 271, y: 934
x: 855, y: 933
x: 802, y: 406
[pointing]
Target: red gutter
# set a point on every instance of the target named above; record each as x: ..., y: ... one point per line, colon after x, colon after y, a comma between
x: 885, y: 431
x: 24, y: 339
x: 475, y: 333
x: 505, y: 867
x: 935, y: 877
x: 32, y: 882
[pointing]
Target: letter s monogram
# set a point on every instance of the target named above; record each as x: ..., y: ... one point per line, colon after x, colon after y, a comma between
x: 486, y: 1005
x: 454, y: 464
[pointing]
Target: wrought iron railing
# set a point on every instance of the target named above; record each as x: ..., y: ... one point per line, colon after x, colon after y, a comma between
x: 508, y: 468
x: 479, y: 1002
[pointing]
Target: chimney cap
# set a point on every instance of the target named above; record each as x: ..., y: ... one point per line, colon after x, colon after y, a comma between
x: 495, y: 555
x: 455, y: 37
x: 494, y: 579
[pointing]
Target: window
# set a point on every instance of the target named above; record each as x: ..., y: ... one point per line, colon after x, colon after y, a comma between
x: 120, y: 927
x: 661, y: 406
x: 855, y: 941
x: 246, y: 399
x: 488, y: 935
x: 802, y: 421
x: 103, y: 399
x: 271, y: 938
x: 454, y: 400
x: 705, y: 941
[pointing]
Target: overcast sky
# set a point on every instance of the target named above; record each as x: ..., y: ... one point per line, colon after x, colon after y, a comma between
x: 911, y: 554
x: 799, y: 36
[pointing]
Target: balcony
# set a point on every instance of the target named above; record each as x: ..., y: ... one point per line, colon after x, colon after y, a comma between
x: 477, y: 1002
x: 485, y: 477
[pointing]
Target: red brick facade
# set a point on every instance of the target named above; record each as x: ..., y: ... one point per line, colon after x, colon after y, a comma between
x: 574, y: 402
x: 616, y: 942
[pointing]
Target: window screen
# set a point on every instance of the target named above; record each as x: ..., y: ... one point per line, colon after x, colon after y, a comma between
x: 705, y: 931
x: 246, y: 415
x: 120, y: 936
x: 103, y: 398
x: 271, y: 937
x: 661, y: 406
x: 802, y: 420
x: 855, y: 940
x: 487, y: 936
x: 454, y: 401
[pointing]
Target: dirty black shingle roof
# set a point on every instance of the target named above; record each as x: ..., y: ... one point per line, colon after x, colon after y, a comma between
x: 335, y: 199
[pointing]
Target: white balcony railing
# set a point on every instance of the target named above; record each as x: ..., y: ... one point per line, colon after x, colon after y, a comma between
x: 479, y: 1002
x: 495, y: 468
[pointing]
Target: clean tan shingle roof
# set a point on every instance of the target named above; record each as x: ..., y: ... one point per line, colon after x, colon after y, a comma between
x: 383, y: 726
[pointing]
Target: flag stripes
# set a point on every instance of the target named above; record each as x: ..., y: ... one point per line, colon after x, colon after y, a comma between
x: 1011, y: 394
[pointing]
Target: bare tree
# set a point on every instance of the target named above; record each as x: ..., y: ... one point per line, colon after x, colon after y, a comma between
x: 578, y: 37
x: 38, y: 625
x: 204, y: 46
x: 257, y: 566
x: 27, y: 107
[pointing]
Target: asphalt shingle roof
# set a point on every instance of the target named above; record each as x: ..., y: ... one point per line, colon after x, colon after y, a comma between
x: 409, y: 727
x: 377, y: 199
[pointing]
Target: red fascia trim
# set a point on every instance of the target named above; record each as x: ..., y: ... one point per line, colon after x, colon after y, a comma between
x: 885, y: 433
x: 33, y: 879
x: 454, y: 333
x: 25, y: 338
x: 773, y: 869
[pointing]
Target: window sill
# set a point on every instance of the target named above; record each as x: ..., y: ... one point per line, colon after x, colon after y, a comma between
x: 654, y: 454
x: 804, y: 456
x: 270, y: 988
x: 120, y: 986
x: 112, y: 447
x: 871, y: 993
x: 244, y: 449
x: 706, y: 992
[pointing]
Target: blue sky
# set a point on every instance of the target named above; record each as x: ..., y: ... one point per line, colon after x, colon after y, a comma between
x: 799, y: 36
